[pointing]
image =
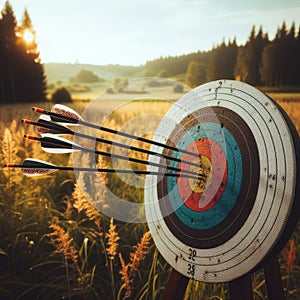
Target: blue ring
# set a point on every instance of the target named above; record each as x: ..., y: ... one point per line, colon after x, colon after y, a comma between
x: 215, y: 215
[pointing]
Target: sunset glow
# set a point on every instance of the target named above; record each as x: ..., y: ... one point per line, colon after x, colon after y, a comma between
x: 28, y: 36
x: 132, y: 32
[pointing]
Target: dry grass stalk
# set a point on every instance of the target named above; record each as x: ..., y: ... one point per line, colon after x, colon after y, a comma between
x: 289, y: 255
x: 112, y: 243
x: 141, y: 250
x: 128, y: 271
x: 102, y: 164
x: 63, y: 242
x: 9, y: 155
x: 127, y: 280
x: 100, y: 183
x: 83, y: 203
x: 69, y: 207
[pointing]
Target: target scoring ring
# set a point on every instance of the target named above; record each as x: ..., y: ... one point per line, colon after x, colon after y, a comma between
x: 217, y: 224
x: 212, y: 253
x: 200, y: 194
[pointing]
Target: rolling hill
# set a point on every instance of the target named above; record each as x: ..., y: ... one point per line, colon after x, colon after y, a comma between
x: 63, y: 72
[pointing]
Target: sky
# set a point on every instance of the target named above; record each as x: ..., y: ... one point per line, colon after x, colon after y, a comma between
x: 131, y: 32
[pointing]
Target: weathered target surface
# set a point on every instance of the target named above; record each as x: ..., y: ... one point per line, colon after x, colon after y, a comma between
x: 219, y: 226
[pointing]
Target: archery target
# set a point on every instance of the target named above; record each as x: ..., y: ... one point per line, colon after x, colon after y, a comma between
x: 225, y: 219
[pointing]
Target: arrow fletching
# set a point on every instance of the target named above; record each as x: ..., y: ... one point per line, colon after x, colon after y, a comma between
x: 55, y: 144
x: 70, y: 115
x: 35, y: 167
x: 61, y: 114
x: 58, y: 145
x: 45, y: 126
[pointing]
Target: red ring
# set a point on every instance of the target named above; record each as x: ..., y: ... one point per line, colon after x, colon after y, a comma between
x: 215, y: 184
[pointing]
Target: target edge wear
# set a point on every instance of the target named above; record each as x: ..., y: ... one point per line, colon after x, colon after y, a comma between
x: 249, y: 246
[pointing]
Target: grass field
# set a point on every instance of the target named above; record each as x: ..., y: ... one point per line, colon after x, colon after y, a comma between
x: 54, y: 244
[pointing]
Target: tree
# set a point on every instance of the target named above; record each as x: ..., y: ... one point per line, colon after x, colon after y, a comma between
x: 175, y: 65
x: 249, y: 57
x: 163, y: 73
x: 61, y: 95
x: 195, y: 74
x: 178, y: 88
x: 222, y: 61
x: 22, y: 76
x: 268, y: 70
x: 8, y: 50
x: 280, y: 59
x: 27, y: 34
x: 86, y: 76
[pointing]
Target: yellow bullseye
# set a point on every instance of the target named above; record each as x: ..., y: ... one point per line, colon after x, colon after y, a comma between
x: 205, y: 168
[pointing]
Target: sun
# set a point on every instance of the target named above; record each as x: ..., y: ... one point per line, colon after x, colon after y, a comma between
x: 28, y: 36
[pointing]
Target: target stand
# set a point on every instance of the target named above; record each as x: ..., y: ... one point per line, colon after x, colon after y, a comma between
x: 238, y: 212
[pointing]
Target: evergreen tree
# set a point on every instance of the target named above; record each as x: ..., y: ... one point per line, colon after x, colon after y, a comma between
x: 297, y: 58
x: 280, y: 60
x: 33, y: 85
x: 195, y: 74
x: 249, y: 57
x: 8, y: 51
x: 222, y: 61
x: 268, y: 68
x: 22, y: 76
x: 175, y: 65
x: 291, y: 54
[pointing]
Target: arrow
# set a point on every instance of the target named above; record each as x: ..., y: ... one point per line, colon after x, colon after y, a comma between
x: 61, y: 113
x: 35, y: 167
x: 44, y: 127
x: 53, y: 144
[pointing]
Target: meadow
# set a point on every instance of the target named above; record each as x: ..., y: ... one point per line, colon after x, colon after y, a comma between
x: 54, y: 243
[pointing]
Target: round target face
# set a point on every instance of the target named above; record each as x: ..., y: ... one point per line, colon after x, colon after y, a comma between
x: 224, y: 219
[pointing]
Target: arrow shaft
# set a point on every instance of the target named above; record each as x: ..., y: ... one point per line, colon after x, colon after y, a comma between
x: 53, y: 143
x: 99, y: 170
x: 60, y: 118
x: 65, y: 130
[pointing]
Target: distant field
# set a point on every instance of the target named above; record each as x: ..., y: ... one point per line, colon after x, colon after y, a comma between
x: 285, y: 97
x: 141, y: 88
x: 63, y: 72
x: 58, y: 75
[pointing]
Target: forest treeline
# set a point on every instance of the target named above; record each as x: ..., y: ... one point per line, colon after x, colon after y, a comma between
x: 260, y: 61
x: 22, y: 76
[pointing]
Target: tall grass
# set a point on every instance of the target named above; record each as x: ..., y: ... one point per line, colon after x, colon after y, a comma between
x: 55, y: 244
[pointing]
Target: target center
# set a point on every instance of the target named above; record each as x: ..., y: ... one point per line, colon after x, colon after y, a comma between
x: 204, y: 171
x: 204, y: 191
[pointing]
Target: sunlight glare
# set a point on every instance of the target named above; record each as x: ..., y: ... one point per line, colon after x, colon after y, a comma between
x: 28, y: 36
